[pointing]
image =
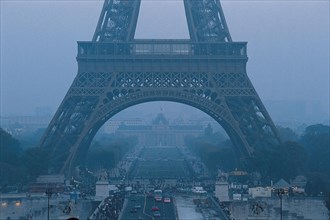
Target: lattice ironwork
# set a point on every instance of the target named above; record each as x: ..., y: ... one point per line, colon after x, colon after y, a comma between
x: 115, y: 72
x: 117, y: 21
x: 206, y: 21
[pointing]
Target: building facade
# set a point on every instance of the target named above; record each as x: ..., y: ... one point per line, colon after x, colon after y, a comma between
x: 161, y: 132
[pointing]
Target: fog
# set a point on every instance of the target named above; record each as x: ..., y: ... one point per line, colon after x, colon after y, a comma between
x: 288, y: 49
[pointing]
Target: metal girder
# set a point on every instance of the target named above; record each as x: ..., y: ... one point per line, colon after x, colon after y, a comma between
x: 206, y: 21
x: 117, y: 22
x: 205, y: 18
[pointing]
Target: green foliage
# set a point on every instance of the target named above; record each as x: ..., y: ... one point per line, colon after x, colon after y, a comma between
x: 100, y: 158
x: 214, y: 151
x: 9, y: 158
x: 31, y: 139
x: 108, y: 150
x: 9, y: 148
x: 287, y: 134
x: 316, y: 139
x: 309, y: 156
x: 10, y: 174
x: 283, y: 161
x: 35, y: 161
x: 317, y: 184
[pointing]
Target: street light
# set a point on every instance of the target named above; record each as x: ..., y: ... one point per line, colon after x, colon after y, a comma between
x: 280, y: 192
x: 49, y: 193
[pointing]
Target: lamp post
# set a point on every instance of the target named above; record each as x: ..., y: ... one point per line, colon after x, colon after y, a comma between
x: 49, y: 194
x: 280, y: 192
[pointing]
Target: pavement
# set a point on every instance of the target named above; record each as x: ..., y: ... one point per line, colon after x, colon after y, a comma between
x: 187, y: 209
x: 36, y: 207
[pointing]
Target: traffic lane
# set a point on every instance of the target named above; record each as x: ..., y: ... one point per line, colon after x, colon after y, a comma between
x: 166, y: 210
x: 169, y: 212
x: 135, y: 208
x: 140, y: 207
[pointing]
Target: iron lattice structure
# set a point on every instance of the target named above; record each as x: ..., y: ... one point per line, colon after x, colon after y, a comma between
x: 116, y: 71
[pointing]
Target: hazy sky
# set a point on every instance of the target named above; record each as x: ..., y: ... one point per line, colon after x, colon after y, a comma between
x: 288, y: 46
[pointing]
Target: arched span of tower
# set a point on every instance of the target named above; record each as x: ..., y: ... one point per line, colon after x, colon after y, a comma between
x: 217, y: 110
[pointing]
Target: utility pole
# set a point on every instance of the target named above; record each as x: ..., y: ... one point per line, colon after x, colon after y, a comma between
x: 280, y: 192
x: 49, y: 194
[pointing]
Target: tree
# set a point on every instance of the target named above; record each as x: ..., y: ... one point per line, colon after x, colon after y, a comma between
x: 294, y: 159
x: 9, y: 148
x: 9, y: 158
x: 287, y: 134
x: 215, y: 151
x: 35, y: 161
x: 107, y: 150
x: 283, y: 161
x: 316, y: 139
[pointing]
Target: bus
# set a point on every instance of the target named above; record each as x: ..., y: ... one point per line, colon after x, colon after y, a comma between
x: 158, y: 195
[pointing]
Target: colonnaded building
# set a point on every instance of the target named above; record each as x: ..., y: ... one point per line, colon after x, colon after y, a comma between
x: 161, y: 132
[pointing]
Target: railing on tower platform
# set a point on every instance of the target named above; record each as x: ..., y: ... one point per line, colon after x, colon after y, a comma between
x: 162, y: 48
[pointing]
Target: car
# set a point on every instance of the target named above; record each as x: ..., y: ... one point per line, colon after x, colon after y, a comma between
x: 156, y: 214
x: 154, y: 208
x: 137, y: 206
x: 158, y: 198
x: 167, y: 200
x: 133, y: 210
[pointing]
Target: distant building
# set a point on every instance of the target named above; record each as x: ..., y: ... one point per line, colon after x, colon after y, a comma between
x: 113, y: 124
x: 281, y: 184
x: 54, y: 183
x: 258, y: 192
x: 102, y: 189
x: 20, y: 124
x: 161, y: 132
x: 299, y: 181
x: 299, y: 184
x: 238, y: 178
x: 222, y: 191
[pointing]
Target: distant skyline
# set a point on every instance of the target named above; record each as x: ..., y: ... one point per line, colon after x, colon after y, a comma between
x: 288, y: 48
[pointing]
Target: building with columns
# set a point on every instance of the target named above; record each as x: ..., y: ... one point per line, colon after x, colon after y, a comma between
x: 161, y: 132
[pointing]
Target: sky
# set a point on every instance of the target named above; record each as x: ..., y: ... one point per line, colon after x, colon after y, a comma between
x: 288, y: 47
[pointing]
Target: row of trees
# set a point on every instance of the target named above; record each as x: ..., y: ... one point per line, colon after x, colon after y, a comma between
x: 307, y: 154
x: 107, y: 150
x: 23, y: 165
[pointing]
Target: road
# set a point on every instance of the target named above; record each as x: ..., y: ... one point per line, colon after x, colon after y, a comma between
x: 160, y: 163
x: 139, y: 207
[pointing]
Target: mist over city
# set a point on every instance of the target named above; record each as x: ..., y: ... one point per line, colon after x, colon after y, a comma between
x: 154, y: 109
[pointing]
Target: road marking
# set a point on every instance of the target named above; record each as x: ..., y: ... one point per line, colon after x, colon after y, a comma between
x: 144, y: 208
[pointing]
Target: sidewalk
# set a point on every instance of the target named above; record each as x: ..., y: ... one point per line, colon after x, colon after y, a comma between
x: 186, y: 209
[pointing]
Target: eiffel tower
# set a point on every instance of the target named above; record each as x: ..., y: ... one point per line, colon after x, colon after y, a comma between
x: 116, y: 71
